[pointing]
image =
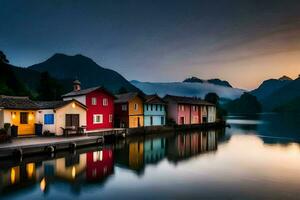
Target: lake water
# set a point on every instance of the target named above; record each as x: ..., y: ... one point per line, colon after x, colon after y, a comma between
x: 257, y: 158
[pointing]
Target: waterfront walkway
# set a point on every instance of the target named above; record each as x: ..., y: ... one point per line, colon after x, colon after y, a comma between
x: 39, y: 144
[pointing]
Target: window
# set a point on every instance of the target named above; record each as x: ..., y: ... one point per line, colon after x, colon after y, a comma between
x: 136, y: 107
x: 124, y: 107
x: 161, y: 107
x: 94, y: 101
x: 98, y: 119
x: 162, y: 120
x: 105, y: 102
x: 24, y: 118
x: 182, y: 107
x: 151, y: 107
x: 147, y: 107
x: 110, y: 118
x: 194, y: 108
x: 156, y: 108
x: 151, y: 120
x: 97, y: 156
x: 49, y: 119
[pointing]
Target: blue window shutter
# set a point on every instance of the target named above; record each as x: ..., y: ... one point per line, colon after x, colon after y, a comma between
x: 49, y: 119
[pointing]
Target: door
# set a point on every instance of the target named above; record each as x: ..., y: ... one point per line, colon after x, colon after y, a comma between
x: 72, y: 120
x: 181, y: 120
x: 139, y: 123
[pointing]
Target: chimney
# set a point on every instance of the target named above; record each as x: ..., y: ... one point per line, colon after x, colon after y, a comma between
x: 76, y: 85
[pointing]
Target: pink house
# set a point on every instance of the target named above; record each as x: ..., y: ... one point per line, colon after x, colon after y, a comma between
x: 186, y: 110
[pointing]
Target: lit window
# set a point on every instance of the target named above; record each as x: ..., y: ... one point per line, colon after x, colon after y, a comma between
x: 49, y: 119
x: 124, y: 107
x: 136, y: 107
x: 94, y: 101
x: 97, y: 156
x: 110, y: 118
x: 105, y: 102
x: 98, y: 119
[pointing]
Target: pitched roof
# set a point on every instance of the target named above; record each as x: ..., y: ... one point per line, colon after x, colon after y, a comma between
x: 81, y: 92
x: 20, y: 103
x: 122, y: 98
x: 56, y: 104
x: 154, y: 99
x: 187, y: 100
x: 86, y: 91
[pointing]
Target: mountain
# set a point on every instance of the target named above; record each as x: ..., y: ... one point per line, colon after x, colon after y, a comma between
x: 282, y: 96
x: 213, y: 81
x: 90, y: 74
x: 192, y: 89
x: 270, y: 86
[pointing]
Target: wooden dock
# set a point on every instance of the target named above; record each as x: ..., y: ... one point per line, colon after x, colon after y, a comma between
x: 20, y: 147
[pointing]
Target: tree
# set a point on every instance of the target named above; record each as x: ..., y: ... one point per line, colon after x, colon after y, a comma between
x: 247, y: 104
x: 122, y: 90
x: 49, y: 89
x: 9, y: 82
x: 3, y: 59
x: 212, y: 98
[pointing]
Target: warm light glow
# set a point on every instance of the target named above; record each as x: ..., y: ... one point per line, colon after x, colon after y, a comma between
x: 30, y: 169
x: 73, y: 172
x: 43, y: 184
x: 30, y: 116
x: 13, y: 115
x: 12, y: 176
x: 73, y: 105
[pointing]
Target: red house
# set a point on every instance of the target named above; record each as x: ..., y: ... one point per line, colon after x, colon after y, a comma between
x: 99, y: 103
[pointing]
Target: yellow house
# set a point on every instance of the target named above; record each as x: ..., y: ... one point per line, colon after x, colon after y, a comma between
x: 18, y: 111
x: 129, y: 110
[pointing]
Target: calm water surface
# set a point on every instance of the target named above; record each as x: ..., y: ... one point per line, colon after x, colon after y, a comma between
x: 258, y: 157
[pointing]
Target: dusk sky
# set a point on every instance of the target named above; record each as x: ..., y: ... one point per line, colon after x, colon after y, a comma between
x: 242, y: 41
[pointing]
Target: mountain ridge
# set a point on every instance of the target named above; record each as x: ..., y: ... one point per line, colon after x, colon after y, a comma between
x: 85, y: 69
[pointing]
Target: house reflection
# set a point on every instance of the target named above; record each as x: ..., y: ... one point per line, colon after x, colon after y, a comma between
x: 188, y: 145
x: 77, y: 170
x: 137, y: 153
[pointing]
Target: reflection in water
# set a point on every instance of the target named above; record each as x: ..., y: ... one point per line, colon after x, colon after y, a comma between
x: 138, y: 152
x: 248, y: 161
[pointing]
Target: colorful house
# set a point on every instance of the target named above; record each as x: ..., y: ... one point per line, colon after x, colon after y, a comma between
x: 18, y: 111
x: 57, y: 115
x: 129, y: 111
x: 154, y: 111
x: 99, y: 103
x: 188, y: 110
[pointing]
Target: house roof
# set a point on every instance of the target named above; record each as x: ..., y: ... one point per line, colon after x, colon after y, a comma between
x: 56, y: 104
x: 186, y: 100
x: 17, y: 103
x: 123, y: 98
x: 154, y: 99
x: 86, y: 91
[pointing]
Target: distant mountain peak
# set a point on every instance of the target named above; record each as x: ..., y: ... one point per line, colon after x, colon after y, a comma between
x: 67, y: 67
x: 215, y: 81
x: 285, y: 78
